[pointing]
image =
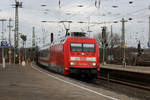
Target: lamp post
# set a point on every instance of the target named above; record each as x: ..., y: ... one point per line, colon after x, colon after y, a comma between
x: 16, y: 31
x: 123, y: 42
x: 10, y: 26
x: 104, y: 42
x: 3, y: 56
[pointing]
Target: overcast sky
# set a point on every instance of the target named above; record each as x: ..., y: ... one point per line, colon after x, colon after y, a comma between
x: 35, y: 11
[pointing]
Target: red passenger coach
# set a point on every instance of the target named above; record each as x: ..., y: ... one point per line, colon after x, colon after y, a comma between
x: 72, y: 55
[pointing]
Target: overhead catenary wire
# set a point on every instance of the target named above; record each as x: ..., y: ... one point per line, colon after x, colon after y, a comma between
x: 130, y: 13
x: 60, y: 13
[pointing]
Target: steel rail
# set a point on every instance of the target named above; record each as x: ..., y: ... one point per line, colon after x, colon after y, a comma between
x: 125, y: 83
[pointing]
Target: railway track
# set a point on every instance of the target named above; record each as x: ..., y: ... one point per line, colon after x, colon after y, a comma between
x: 127, y: 82
x: 122, y: 81
x: 132, y: 79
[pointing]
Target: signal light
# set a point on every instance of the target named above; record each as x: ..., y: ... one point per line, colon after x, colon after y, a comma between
x: 93, y: 64
x: 72, y: 63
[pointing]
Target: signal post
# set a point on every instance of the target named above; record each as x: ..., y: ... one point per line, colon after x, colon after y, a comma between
x: 123, y: 42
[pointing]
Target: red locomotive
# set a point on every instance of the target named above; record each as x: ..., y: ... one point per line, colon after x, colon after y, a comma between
x: 72, y: 55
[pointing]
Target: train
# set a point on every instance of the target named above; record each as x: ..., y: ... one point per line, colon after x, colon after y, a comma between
x: 75, y: 54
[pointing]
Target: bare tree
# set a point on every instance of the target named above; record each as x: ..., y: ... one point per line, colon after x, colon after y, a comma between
x: 112, y: 40
x: 99, y: 39
x: 24, y: 38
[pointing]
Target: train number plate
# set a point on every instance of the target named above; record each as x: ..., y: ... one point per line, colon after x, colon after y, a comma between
x: 82, y: 63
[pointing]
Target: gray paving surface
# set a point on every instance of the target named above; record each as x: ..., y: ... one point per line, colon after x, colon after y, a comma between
x: 138, y: 69
x: 26, y: 83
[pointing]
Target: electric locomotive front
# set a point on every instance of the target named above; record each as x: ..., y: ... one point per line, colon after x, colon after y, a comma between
x: 83, y: 56
x: 72, y: 55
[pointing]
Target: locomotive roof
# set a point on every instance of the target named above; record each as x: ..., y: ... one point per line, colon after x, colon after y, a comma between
x: 78, y: 34
x: 61, y: 40
x: 47, y: 46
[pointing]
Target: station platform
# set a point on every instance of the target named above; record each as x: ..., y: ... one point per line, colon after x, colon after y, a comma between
x: 31, y: 82
x: 135, y: 69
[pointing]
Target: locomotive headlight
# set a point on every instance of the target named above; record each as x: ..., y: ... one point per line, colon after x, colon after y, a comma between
x: 91, y: 59
x: 72, y: 63
x: 74, y: 58
x: 93, y: 64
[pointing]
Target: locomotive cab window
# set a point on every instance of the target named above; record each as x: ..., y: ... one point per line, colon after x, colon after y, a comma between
x: 76, y: 47
x: 88, y: 48
x: 82, y: 47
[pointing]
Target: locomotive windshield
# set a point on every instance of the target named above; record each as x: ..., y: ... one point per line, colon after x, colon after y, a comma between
x: 88, y: 48
x: 82, y: 47
x: 76, y: 47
